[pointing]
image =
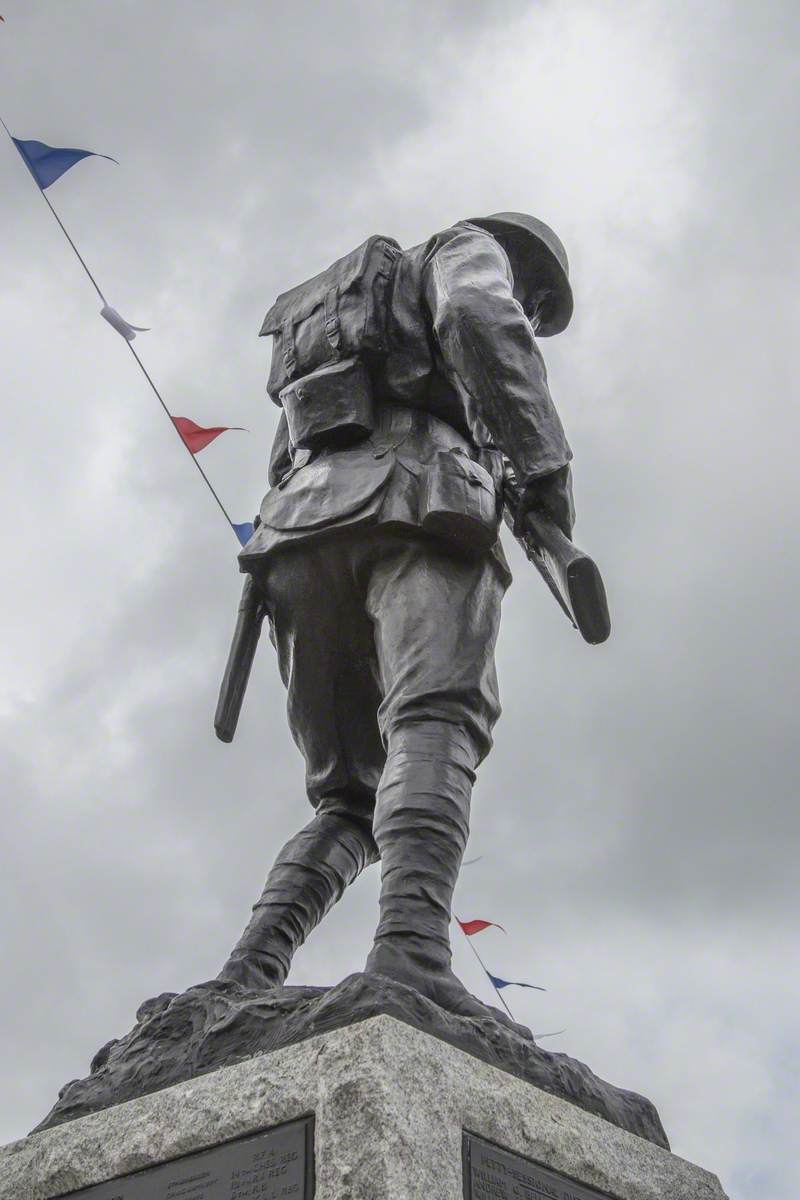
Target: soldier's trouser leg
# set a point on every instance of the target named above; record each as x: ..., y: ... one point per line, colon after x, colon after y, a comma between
x: 326, y: 654
x: 436, y: 620
x: 421, y: 827
x: 386, y: 646
x: 309, y: 876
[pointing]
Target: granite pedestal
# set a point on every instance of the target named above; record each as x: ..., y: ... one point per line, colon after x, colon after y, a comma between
x: 375, y: 1111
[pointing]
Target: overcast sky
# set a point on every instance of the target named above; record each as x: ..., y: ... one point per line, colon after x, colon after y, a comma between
x: 637, y: 820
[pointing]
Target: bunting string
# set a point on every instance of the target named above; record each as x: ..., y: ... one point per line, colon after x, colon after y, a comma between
x: 46, y: 164
x: 486, y: 972
x: 469, y: 929
x: 193, y: 457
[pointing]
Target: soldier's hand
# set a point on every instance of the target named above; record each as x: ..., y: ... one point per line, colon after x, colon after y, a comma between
x: 550, y: 495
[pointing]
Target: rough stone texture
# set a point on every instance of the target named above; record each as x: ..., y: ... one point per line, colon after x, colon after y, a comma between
x: 178, y: 1037
x: 390, y: 1105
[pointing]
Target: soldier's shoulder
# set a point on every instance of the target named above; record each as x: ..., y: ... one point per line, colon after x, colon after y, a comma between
x: 460, y: 230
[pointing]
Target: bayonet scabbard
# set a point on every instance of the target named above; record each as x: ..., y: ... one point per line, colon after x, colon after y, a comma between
x: 240, y: 661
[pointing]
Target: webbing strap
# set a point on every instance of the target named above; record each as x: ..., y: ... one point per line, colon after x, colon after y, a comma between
x: 333, y: 330
x: 288, y: 346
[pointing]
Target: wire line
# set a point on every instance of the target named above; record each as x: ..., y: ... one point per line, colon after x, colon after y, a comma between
x: 160, y: 399
x: 486, y: 969
x: 141, y: 365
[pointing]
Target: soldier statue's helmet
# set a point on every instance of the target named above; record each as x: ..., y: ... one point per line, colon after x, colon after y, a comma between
x: 537, y: 259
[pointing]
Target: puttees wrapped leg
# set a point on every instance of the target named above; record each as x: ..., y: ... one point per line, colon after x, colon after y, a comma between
x: 309, y: 876
x: 421, y: 827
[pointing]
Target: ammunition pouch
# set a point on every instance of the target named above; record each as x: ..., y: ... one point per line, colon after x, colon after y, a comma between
x: 332, y: 406
x: 459, y: 501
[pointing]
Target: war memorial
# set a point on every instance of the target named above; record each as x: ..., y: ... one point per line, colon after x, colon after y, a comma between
x: 415, y: 418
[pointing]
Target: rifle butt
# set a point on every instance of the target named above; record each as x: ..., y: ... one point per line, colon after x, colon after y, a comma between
x: 577, y: 575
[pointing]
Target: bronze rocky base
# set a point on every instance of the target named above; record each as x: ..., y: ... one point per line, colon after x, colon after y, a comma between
x: 215, y: 1024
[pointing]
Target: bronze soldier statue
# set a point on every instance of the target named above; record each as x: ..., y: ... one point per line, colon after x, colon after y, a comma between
x: 412, y: 391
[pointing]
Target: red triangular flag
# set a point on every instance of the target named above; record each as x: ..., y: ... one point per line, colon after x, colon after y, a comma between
x: 471, y: 927
x: 195, y: 436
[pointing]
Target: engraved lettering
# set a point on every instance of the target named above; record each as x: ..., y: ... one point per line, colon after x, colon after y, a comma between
x: 276, y: 1164
x: 492, y: 1173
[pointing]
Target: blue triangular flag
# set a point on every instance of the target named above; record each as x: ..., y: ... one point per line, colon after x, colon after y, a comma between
x: 48, y: 163
x: 244, y: 531
x: 501, y: 983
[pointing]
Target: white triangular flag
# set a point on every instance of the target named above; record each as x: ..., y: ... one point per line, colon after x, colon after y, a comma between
x: 119, y: 323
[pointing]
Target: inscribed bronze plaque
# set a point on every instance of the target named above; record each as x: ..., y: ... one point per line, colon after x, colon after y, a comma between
x: 277, y: 1164
x: 491, y: 1173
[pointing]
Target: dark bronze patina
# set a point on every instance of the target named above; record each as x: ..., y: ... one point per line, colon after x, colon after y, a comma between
x: 491, y: 1173
x: 415, y: 408
x: 415, y: 414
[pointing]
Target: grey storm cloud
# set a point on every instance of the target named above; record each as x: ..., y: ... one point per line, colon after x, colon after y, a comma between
x: 637, y: 821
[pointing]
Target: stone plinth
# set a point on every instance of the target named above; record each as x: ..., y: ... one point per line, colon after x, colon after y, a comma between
x: 390, y: 1106
x: 218, y: 1023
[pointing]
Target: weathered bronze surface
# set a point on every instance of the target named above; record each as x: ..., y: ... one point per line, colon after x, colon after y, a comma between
x: 178, y: 1037
x: 415, y: 410
x: 277, y: 1164
x: 412, y: 391
x: 491, y: 1173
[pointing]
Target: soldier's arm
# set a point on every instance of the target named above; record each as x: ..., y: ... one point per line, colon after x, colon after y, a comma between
x: 490, y: 352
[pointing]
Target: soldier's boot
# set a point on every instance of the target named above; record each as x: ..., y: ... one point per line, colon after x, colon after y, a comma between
x: 309, y: 876
x: 421, y: 825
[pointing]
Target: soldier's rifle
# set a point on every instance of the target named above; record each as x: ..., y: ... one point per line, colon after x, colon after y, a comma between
x: 572, y: 576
